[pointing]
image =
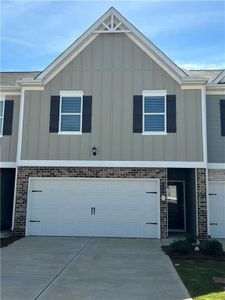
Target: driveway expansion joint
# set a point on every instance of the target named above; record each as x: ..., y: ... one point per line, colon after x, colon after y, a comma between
x: 74, y: 258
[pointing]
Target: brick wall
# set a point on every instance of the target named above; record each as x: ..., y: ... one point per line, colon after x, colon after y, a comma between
x: 202, y: 203
x: 24, y: 173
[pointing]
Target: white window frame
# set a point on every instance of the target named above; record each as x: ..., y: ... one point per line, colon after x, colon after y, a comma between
x: 2, y: 99
x: 71, y: 94
x: 153, y: 93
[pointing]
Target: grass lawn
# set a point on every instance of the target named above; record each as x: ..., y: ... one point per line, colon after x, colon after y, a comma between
x: 197, y: 276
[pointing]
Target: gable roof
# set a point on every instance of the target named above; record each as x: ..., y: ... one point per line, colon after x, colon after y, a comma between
x: 111, y: 22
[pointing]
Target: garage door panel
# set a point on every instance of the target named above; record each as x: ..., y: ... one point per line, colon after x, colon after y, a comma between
x: 217, y: 209
x: 122, y: 207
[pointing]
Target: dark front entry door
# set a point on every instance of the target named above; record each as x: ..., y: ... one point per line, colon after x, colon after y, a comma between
x: 175, y: 198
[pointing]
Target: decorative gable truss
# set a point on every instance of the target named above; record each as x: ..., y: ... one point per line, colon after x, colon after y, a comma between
x: 112, y: 25
x: 111, y: 22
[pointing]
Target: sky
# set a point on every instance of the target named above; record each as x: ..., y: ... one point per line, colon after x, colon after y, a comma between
x: 34, y: 33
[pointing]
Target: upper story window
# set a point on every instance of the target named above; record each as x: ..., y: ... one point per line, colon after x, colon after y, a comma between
x: 154, y: 112
x: 2, y: 106
x: 70, y: 120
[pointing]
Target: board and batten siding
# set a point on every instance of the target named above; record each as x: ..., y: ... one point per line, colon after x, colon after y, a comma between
x: 216, y: 142
x: 8, y: 143
x: 112, y: 69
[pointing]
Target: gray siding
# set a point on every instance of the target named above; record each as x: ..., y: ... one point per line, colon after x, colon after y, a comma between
x: 216, y: 142
x: 112, y: 69
x: 8, y: 144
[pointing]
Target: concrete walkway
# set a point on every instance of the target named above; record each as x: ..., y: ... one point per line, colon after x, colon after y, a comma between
x: 69, y: 268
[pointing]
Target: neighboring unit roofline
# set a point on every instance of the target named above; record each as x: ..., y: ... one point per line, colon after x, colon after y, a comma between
x: 219, y: 77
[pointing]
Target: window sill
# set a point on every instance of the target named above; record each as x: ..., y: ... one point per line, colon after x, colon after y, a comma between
x: 69, y: 133
x: 154, y: 133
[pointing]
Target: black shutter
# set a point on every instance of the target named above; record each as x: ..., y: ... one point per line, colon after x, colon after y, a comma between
x: 54, y: 114
x: 8, y: 117
x: 87, y: 114
x: 171, y: 113
x: 137, y: 113
x: 222, y: 116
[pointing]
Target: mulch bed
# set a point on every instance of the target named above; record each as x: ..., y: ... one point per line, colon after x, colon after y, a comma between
x: 193, y: 255
x: 4, y: 242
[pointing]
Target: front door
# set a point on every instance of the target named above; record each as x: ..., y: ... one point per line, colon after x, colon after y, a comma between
x: 176, y: 206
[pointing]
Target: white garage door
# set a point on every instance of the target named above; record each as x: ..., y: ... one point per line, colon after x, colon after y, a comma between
x: 217, y: 209
x: 93, y: 207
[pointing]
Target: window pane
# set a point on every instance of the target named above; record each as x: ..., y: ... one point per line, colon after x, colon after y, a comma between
x: 70, y: 123
x: 154, y: 123
x: 154, y: 104
x: 1, y: 108
x: 71, y: 105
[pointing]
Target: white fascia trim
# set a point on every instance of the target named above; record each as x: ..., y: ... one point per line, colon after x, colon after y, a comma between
x: 218, y: 166
x: 219, y: 77
x: 33, y: 88
x: 191, y: 87
x: 99, y: 163
x: 71, y: 93
x: 150, y: 53
x: 147, y: 42
x: 215, y: 89
x: 154, y: 92
x: 216, y: 92
x: 9, y: 88
x: 29, y: 82
x: 2, y: 94
x: 7, y: 164
x: 20, y: 127
x: 204, y: 125
x: 192, y: 80
x: 59, y: 66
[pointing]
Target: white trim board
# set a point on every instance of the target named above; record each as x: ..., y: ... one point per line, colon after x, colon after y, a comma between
x: 7, y: 165
x: 219, y: 166
x: 114, y: 164
x: 20, y: 126
x: 204, y: 125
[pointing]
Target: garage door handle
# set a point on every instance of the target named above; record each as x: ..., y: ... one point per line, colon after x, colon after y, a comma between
x: 151, y: 223
x: 213, y: 223
x: 35, y: 221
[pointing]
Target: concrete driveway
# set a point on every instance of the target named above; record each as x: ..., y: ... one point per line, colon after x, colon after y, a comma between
x: 69, y: 268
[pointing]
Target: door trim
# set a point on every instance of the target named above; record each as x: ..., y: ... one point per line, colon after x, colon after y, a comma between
x: 184, y: 192
x: 94, y: 178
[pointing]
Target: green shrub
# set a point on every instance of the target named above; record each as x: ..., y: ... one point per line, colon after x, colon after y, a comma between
x: 191, y: 238
x: 180, y: 246
x: 212, y: 247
